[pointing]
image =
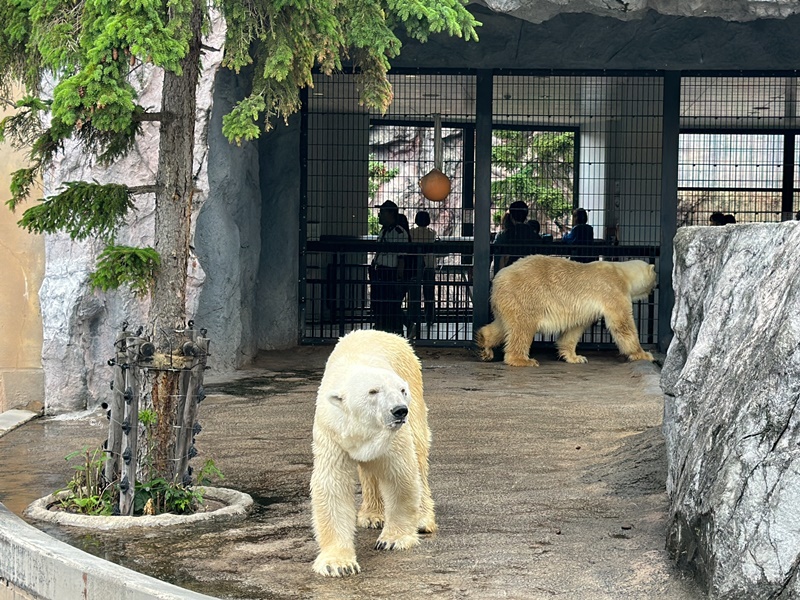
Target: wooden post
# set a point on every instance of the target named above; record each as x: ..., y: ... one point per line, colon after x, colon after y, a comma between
x: 130, y: 425
x: 112, y: 468
x: 197, y: 348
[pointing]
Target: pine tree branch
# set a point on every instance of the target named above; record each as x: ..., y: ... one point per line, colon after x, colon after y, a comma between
x: 143, y: 189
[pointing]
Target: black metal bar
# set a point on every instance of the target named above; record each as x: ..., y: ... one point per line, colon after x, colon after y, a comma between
x: 467, y: 189
x: 743, y: 130
x: 669, y: 202
x: 787, y: 190
x: 731, y: 188
x: 302, y: 234
x: 483, y: 198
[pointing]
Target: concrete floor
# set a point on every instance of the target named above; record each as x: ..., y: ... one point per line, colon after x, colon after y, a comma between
x: 549, y: 483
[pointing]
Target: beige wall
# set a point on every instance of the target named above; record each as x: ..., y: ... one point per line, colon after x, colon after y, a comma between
x: 21, y: 272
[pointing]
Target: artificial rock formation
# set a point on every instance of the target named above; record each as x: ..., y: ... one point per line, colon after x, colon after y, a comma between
x: 731, y: 418
x: 538, y: 11
x: 79, y: 323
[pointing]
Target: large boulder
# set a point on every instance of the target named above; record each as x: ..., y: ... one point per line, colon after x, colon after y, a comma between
x: 731, y: 419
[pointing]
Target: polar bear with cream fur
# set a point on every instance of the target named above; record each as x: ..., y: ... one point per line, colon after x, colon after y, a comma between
x: 558, y: 296
x: 370, y: 420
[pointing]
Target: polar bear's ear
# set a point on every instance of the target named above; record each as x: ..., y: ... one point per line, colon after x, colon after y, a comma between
x: 336, y: 399
x: 652, y: 268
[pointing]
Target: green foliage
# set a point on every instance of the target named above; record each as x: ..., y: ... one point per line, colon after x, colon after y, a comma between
x: 89, y: 493
x: 125, y: 265
x: 82, y: 210
x: 379, y: 174
x: 208, y: 472
x: 90, y: 50
x: 148, y: 417
x: 286, y: 39
x: 538, y: 168
x: 166, y: 497
x: 21, y: 183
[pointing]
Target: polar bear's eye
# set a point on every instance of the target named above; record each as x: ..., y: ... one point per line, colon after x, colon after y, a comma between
x: 373, y: 391
x: 403, y: 391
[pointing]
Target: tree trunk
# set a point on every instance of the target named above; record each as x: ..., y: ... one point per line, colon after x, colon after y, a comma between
x: 175, y: 189
x: 173, y: 215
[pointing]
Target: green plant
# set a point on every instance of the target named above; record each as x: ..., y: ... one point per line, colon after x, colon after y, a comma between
x: 166, y: 497
x: 119, y: 265
x: 89, y: 493
x: 537, y: 167
x: 208, y: 472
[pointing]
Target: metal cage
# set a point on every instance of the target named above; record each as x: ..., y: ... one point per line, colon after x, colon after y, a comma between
x: 554, y: 140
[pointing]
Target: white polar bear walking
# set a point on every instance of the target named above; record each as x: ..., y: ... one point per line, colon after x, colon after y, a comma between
x: 370, y: 418
x: 559, y: 296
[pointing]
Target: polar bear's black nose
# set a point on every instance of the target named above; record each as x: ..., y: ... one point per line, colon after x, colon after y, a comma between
x: 400, y: 412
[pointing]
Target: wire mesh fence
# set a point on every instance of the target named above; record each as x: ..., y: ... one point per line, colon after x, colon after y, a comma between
x: 581, y: 152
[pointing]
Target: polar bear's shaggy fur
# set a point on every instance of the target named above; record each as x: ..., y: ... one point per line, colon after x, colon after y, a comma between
x: 559, y: 296
x: 370, y: 418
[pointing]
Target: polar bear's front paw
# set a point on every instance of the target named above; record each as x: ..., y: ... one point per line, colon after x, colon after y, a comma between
x: 641, y: 356
x: 332, y: 564
x: 399, y: 542
x: 520, y: 361
x: 486, y: 354
x: 427, y: 525
x: 370, y: 520
x: 575, y: 359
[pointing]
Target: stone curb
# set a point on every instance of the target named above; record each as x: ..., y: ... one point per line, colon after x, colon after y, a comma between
x: 11, y: 419
x: 49, y: 569
x: 237, y: 505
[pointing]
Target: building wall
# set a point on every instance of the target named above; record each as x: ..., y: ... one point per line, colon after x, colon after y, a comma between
x: 21, y: 272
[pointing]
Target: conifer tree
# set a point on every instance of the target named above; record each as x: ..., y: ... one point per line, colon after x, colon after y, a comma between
x: 89, y: 50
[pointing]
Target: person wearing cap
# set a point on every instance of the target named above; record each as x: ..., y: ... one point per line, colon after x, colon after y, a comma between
x: 386, y: 273
x: 515, y: 232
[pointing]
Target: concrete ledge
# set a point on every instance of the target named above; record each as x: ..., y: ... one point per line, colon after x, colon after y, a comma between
x: 21, y: 388
x: 11, y: 419
x: 49, y: 569
x: 237, y: 504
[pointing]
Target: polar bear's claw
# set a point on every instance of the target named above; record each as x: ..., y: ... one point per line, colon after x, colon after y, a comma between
x: 336, y: 568
x: 402, y: 542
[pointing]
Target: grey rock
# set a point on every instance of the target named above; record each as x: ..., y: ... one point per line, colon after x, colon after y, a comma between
x: 80, y: 324
x: 537, y: 11
x: 731, y: 419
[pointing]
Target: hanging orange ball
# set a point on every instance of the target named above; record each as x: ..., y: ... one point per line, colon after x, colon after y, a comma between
x: 435, y: 186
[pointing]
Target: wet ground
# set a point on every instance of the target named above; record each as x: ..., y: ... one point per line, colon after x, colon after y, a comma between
x: 549, y: 483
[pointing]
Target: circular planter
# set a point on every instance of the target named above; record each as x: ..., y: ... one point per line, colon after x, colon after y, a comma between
x: 235, y: 507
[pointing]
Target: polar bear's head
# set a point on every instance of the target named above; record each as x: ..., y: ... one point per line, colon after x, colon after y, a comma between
x: 641, y: 276
x: 365, y: 408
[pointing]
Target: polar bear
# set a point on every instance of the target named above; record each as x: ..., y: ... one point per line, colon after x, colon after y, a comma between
x: 370, y: 418
x: 559, y: 296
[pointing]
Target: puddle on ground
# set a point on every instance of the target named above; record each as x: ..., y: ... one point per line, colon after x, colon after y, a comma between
x: 272, y: 384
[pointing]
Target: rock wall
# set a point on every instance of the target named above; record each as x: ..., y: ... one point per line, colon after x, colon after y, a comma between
x: 731, y: 418
x: 80, y: 324
x: 537, y: 11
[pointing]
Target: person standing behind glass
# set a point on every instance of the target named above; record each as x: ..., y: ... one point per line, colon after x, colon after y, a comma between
x: 386, y: 273
x: 424, y: 278
x: 515, y: 232
x: 581, y: 232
